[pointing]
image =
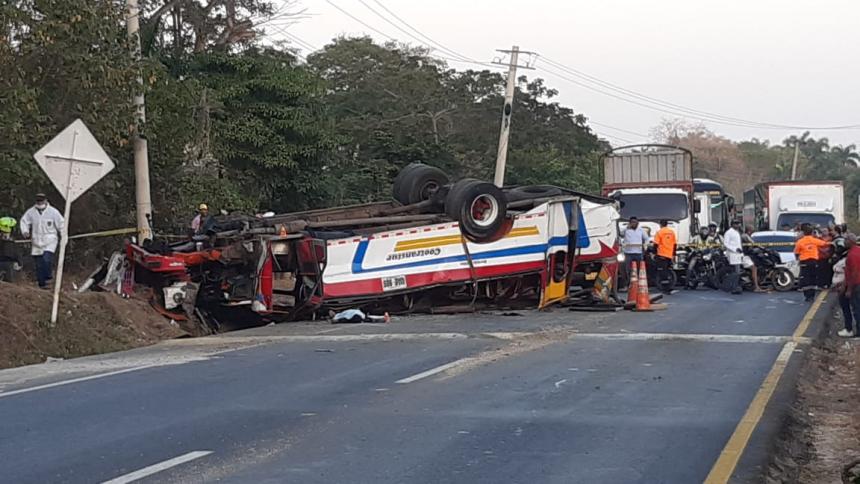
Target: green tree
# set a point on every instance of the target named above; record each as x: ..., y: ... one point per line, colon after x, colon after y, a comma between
x: 61, y: 60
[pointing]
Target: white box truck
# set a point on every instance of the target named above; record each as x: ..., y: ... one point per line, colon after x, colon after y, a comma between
x: 783, y: 205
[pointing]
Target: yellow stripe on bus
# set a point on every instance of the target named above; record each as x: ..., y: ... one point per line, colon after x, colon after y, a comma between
x: 442, y: 240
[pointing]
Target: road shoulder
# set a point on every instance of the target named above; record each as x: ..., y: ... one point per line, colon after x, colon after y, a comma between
x: 768, y: 437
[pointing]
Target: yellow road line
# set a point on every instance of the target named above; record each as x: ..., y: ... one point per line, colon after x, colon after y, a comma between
x: 725, y: 465
x: 807, y: 319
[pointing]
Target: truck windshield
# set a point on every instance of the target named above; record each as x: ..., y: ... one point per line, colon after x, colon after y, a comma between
x: 792, y: 219
x: 717, y: 209
x: 654, y: 206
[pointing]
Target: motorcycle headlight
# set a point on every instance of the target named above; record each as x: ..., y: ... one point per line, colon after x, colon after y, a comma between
x: 706, y: 257
x: 620, y: 257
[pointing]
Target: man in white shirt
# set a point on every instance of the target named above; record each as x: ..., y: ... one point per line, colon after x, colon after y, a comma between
x: 43, y: 224
x: 633, y: 242
x: 735, y: 254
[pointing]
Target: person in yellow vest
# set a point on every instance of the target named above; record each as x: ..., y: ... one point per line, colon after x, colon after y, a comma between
x: 11, y: 257
x: 665, y: 241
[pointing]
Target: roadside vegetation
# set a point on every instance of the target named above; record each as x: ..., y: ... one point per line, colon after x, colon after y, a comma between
x: 242, y: 122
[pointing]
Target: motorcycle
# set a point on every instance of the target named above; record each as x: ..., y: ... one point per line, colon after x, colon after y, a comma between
x: 767, y: 265
x: 702, y: 266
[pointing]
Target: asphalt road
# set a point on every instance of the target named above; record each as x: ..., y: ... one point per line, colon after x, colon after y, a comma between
x: 529, y: 398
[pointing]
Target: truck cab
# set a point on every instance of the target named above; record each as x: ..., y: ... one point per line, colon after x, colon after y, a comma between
x: 717, y: 206
x: 650, y: 205
x: 784, y: 205
x: 652, y: 183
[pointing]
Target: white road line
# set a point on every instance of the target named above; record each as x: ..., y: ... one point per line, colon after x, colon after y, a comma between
x: 434, y: 371
x: 74, y: 380
x: 155, y: 468
x: 718, y: 338
x: 509, y: 336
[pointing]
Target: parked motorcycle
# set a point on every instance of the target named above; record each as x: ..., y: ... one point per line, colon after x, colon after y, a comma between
x: 702, y: 266
x: 767, y: 264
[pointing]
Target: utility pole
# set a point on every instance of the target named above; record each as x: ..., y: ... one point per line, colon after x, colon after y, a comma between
x: 794, y: 163
x: 502, y: 155
x: 141, y: 152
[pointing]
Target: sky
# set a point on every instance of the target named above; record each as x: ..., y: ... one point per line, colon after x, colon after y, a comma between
x: 789, y: 63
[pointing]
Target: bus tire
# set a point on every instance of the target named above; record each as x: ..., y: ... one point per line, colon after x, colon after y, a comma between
x: 479, y: 207
x: 418, y: 182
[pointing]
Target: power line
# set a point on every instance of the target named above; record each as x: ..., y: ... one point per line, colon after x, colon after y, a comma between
x: 387, y: 20
x: 704, y: 115
x: 427, y: 37
x: 634, y: 133
x: 648, y: 106
x: 362, y: 22
x: 612, y: 136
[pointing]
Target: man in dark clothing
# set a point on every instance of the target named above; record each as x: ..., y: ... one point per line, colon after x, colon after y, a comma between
x: 838, y: 284
x: 852, y: 288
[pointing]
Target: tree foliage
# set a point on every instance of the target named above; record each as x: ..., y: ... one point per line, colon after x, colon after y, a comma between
x: 245, y: 126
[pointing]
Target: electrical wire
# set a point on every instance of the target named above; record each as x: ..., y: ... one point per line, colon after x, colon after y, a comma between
x: 703, y: 115
x: 647, y: 106
x: 362, y: 22
x: 427, y: 38
x: 634, y: 133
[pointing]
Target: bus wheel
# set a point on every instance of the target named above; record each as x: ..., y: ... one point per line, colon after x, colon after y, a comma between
x: 479, y: 207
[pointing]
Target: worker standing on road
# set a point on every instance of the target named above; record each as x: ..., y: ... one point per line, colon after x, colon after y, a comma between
x: 735, y: 255
x: 852, y: 288
x: 838, y: 285
x: 806, y: 249
x: 665, y: 240
x: 633, y: 242
x: 43, y: 224
x: 749, y: 263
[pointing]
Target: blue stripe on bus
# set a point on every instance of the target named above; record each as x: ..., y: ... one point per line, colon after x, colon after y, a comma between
x: 361, y: 251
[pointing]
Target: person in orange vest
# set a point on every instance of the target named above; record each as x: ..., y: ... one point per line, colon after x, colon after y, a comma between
x: 665, y: 241
x: 807, y: 250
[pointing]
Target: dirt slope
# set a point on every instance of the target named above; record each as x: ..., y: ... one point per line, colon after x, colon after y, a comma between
x: 90, y: 323
x: 821, y: 441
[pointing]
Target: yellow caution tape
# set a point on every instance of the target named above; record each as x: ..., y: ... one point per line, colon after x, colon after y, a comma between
x: 104, y: 233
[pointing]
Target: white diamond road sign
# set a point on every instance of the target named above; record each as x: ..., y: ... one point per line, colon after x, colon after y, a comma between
x: 74, y: 161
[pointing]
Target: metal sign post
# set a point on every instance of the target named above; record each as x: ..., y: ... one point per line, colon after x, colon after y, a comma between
x: 72, y: 175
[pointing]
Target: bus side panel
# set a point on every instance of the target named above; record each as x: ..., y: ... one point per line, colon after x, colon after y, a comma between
x: 409, y: 259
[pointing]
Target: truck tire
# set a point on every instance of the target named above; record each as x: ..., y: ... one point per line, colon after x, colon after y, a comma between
x: 479, y: 207
x: 418, y: 182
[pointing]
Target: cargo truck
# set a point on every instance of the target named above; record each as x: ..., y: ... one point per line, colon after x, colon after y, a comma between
x: 783, y: 205
x: 653, y: 183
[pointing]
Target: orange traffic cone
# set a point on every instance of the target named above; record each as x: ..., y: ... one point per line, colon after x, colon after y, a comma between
x: 643, y: 300
x: 633, y: 284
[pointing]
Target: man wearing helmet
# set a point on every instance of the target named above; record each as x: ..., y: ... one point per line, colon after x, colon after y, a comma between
x: 713, y: 236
